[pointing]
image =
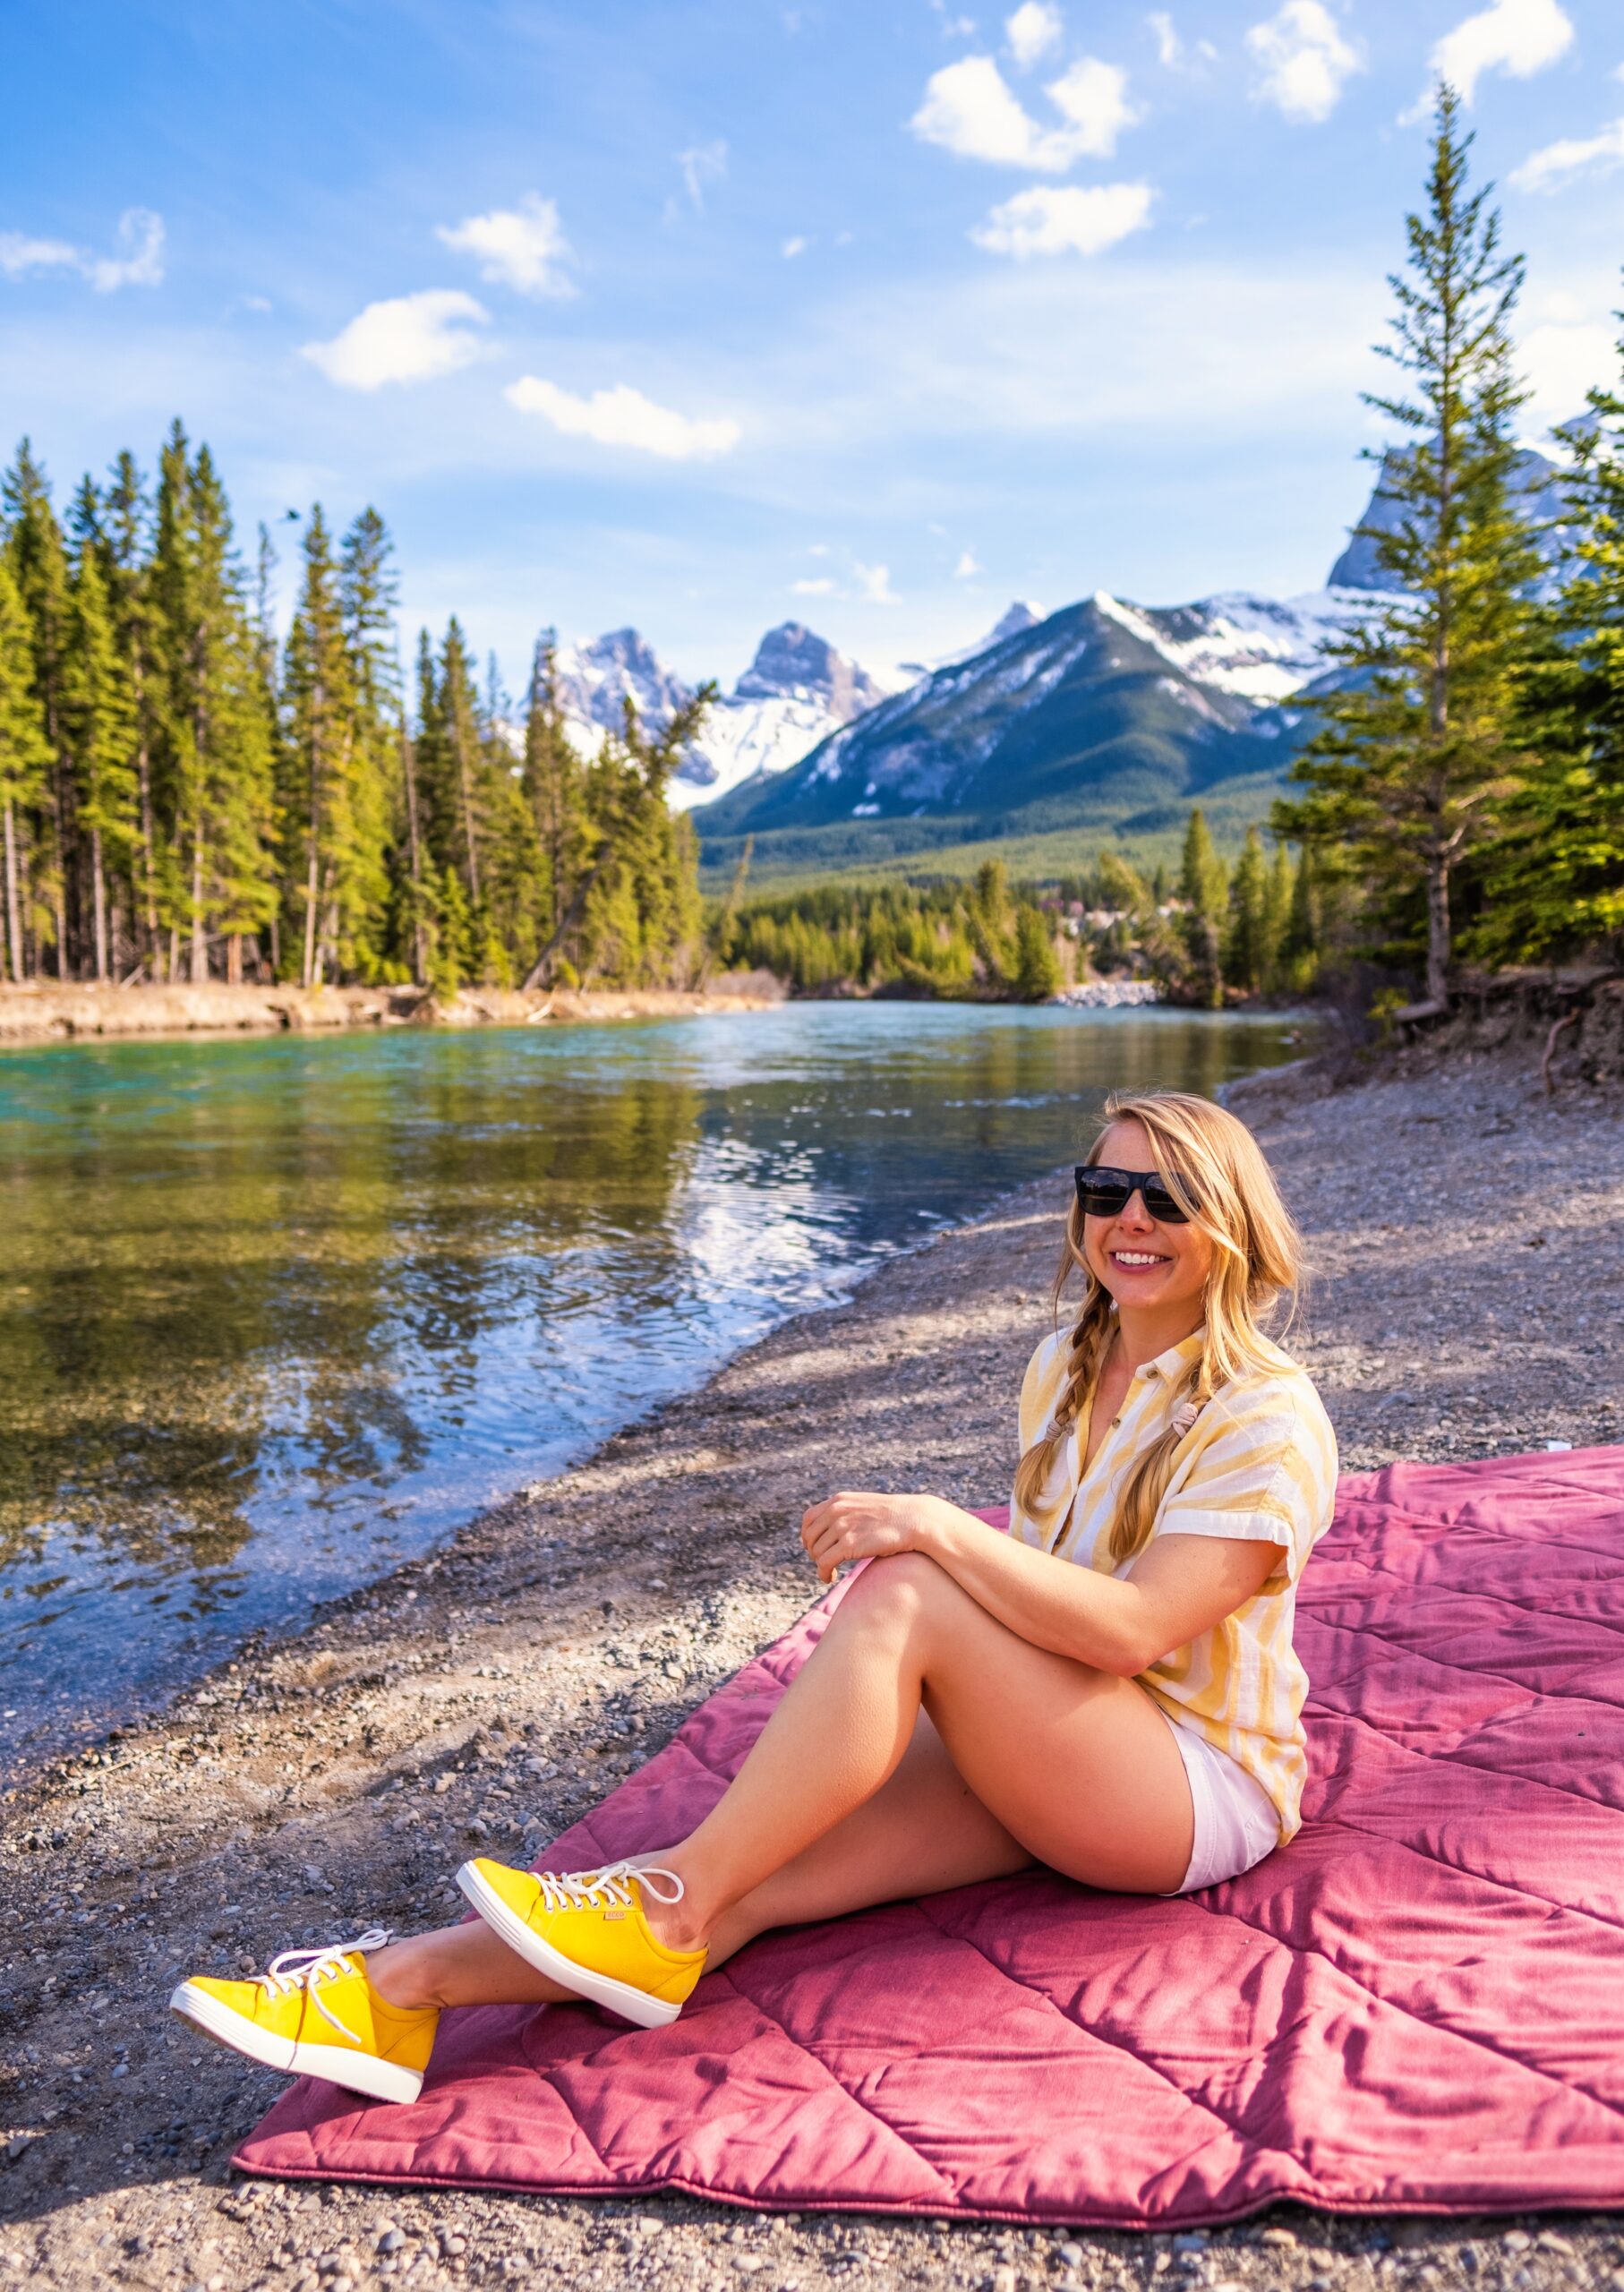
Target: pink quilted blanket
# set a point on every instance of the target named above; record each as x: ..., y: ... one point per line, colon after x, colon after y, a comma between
x: 1418, y: 2005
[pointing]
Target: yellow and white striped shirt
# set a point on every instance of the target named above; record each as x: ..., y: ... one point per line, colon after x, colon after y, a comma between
x: 1260, y: 1462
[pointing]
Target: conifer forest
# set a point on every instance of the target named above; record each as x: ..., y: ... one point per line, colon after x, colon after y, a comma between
x: 181, y: 798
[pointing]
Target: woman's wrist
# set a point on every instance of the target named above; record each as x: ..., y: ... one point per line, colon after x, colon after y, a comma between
x: 941, y: 1530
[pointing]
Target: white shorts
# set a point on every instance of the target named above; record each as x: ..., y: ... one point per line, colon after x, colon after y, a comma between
x: 1235, y: 1821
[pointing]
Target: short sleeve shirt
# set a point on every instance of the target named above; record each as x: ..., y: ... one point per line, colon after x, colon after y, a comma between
x: 1259, y: 1463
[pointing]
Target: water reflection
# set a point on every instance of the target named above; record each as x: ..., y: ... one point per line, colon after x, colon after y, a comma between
x: 276, y: 1311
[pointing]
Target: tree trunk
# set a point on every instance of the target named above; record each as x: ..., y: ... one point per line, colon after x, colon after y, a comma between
x: 13, y: 905
x: 420, y: 958
x: 233, y: 959
x: 98, y: 902
x: 1438, y: 930
x: 571, y: 916
x: 199, y: 938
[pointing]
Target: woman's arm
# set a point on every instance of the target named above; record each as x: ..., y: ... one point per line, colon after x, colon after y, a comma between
x: 1178, y: 1587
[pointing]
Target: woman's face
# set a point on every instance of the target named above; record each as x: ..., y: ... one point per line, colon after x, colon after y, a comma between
x: 1147, y: 1267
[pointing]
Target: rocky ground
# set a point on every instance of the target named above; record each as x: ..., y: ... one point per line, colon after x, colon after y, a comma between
x: 1468, y: 1300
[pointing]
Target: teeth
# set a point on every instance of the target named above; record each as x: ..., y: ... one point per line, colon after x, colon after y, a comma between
x: 1130, y: 1257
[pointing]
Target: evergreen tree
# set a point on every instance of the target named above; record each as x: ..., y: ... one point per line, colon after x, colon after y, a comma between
x: 38, y: 564
x: 99, y: 724
x: 1555, y: 883
x: 127, y: 528
x: 1202, y: 888
x: 323, y: 876
x: 1277, y: 915
x: 1036, y: 965
x: 1420, y: 742
x: 25, y: 757
x: 1247, y: 953
x: 368, y: 591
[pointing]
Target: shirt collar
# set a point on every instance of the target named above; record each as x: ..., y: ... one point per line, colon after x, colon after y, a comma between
x: 1171, y: 1365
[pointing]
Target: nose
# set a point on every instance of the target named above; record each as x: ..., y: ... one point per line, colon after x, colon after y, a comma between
x: 1133, y: 1212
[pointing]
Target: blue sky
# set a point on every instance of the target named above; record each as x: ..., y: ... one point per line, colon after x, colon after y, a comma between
x: 703, y: 314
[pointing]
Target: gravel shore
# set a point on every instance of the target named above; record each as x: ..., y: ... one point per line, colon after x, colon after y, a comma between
x: 1468, y: 1301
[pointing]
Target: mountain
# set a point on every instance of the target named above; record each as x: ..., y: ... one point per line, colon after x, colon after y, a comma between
x: 1020, y: 616
x: 1103, y: 716
x: 796, y: 690
x: 1534, y: 476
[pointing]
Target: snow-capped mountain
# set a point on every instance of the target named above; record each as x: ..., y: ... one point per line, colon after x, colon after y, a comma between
x: 796, y: 691
x: 1020, y: 616
x: 1534, y: 476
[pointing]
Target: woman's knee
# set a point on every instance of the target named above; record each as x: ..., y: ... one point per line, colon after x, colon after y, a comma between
x: 903, y: 1587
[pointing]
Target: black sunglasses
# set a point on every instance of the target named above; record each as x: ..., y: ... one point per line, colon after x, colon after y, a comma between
x: 1105, y: 1192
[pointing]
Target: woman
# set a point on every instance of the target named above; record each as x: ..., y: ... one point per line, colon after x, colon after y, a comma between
x: 1111, y: 1688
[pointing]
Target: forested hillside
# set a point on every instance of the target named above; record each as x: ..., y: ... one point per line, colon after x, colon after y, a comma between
x: 182, y: 798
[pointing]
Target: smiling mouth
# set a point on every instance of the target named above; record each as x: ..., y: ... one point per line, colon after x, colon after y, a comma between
x: 1136, y: 1260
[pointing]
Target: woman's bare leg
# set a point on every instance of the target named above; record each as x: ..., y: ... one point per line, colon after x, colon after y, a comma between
x: 923, y: 1745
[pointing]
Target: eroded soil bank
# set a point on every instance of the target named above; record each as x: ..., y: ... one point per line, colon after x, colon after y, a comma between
x: 44, y: 1011
x: 1469, y: 1301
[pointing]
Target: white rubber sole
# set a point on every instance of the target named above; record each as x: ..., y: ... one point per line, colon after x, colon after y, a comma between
x: 357, y: 2073
x: 622, y: 1998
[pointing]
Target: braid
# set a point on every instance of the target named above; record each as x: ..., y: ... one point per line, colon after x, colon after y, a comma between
x: 1091, y: 1334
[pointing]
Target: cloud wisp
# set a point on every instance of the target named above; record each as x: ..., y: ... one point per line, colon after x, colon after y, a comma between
x: 1033, y: 31
x: 1306, y: 60
x: 970, y: 110
x: 704, y: 163
x: 1557, y: 165
x: 406, y: 338
x: 1516, y: 36
x: 523, y: 247
x: 623, y: 416
x: 1063, y: 218
x: 138, y: 262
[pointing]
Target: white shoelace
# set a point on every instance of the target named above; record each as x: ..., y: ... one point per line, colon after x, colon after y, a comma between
x: 606, y: 1888
x: 306, y: 1968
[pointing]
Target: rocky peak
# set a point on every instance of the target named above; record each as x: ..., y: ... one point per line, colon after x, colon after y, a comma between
x: 793, y: 663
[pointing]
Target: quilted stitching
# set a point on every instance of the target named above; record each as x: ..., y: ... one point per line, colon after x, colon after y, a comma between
x: 1439, y: 2070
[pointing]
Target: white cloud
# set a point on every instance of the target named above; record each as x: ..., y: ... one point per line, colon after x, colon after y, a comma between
x: 1033, y: 29
x: 138, y: 263
x: 1557, y: 165
x: 623, y: 416
x: 408, y: 338
x: 1169, y: 48
x: 970, y: 110
x: 521, y: 247
x: 966, y: 568
x: 1171, y: 53
x: 1094, y: 98
x: 1520, y: 37
x: 1063, y: 219
x: 706, y: 163
x: 874, y: 583
x: 793, y: 247
x: 1305, y: 58
x: 141, y: 236
x: 820, y: 587
x: 1560, y: 363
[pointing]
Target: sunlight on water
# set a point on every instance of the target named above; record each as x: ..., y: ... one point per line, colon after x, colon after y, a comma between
x: 278, y: 1313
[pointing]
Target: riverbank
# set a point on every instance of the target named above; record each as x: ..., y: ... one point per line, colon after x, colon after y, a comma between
x: 1468, y: 1301
x: 44, y: 1011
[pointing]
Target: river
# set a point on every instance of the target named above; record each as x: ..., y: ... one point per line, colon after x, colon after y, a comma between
x: 276, y: 1313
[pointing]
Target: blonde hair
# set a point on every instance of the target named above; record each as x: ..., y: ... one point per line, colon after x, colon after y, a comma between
x: 1215, y: 1171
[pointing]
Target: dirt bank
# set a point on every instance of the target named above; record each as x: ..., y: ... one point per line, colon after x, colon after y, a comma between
x: 1469, y: 1301
x: 42, y: 1011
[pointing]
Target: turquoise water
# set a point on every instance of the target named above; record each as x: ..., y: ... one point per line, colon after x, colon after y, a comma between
x: 274, y: 1313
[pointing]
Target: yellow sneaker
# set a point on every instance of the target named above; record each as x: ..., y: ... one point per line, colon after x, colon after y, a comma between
x: 587, y: 1930
x: 315, y: 2013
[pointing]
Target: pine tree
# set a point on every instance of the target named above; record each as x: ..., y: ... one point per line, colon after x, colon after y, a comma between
x: 38, y: 564
x: 1202, y: 888
x: 127, y: 527
x: 1555, y: 883
x: 1036, y: 966
x: 99, y: 725
x: 317, y: 823
x: 1419, y: 743
x: 1277, y: 915
x: 368, y: 591
x: 1246, y: 950
x: 25, y: 757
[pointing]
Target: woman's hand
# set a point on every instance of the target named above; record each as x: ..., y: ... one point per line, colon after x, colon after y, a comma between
x: 852, y: 1525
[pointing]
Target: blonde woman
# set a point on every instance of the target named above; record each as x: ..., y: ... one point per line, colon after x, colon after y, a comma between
x: 1110, y: 1689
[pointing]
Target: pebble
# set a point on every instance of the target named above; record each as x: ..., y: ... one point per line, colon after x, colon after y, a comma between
x: 1517, y: 2240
